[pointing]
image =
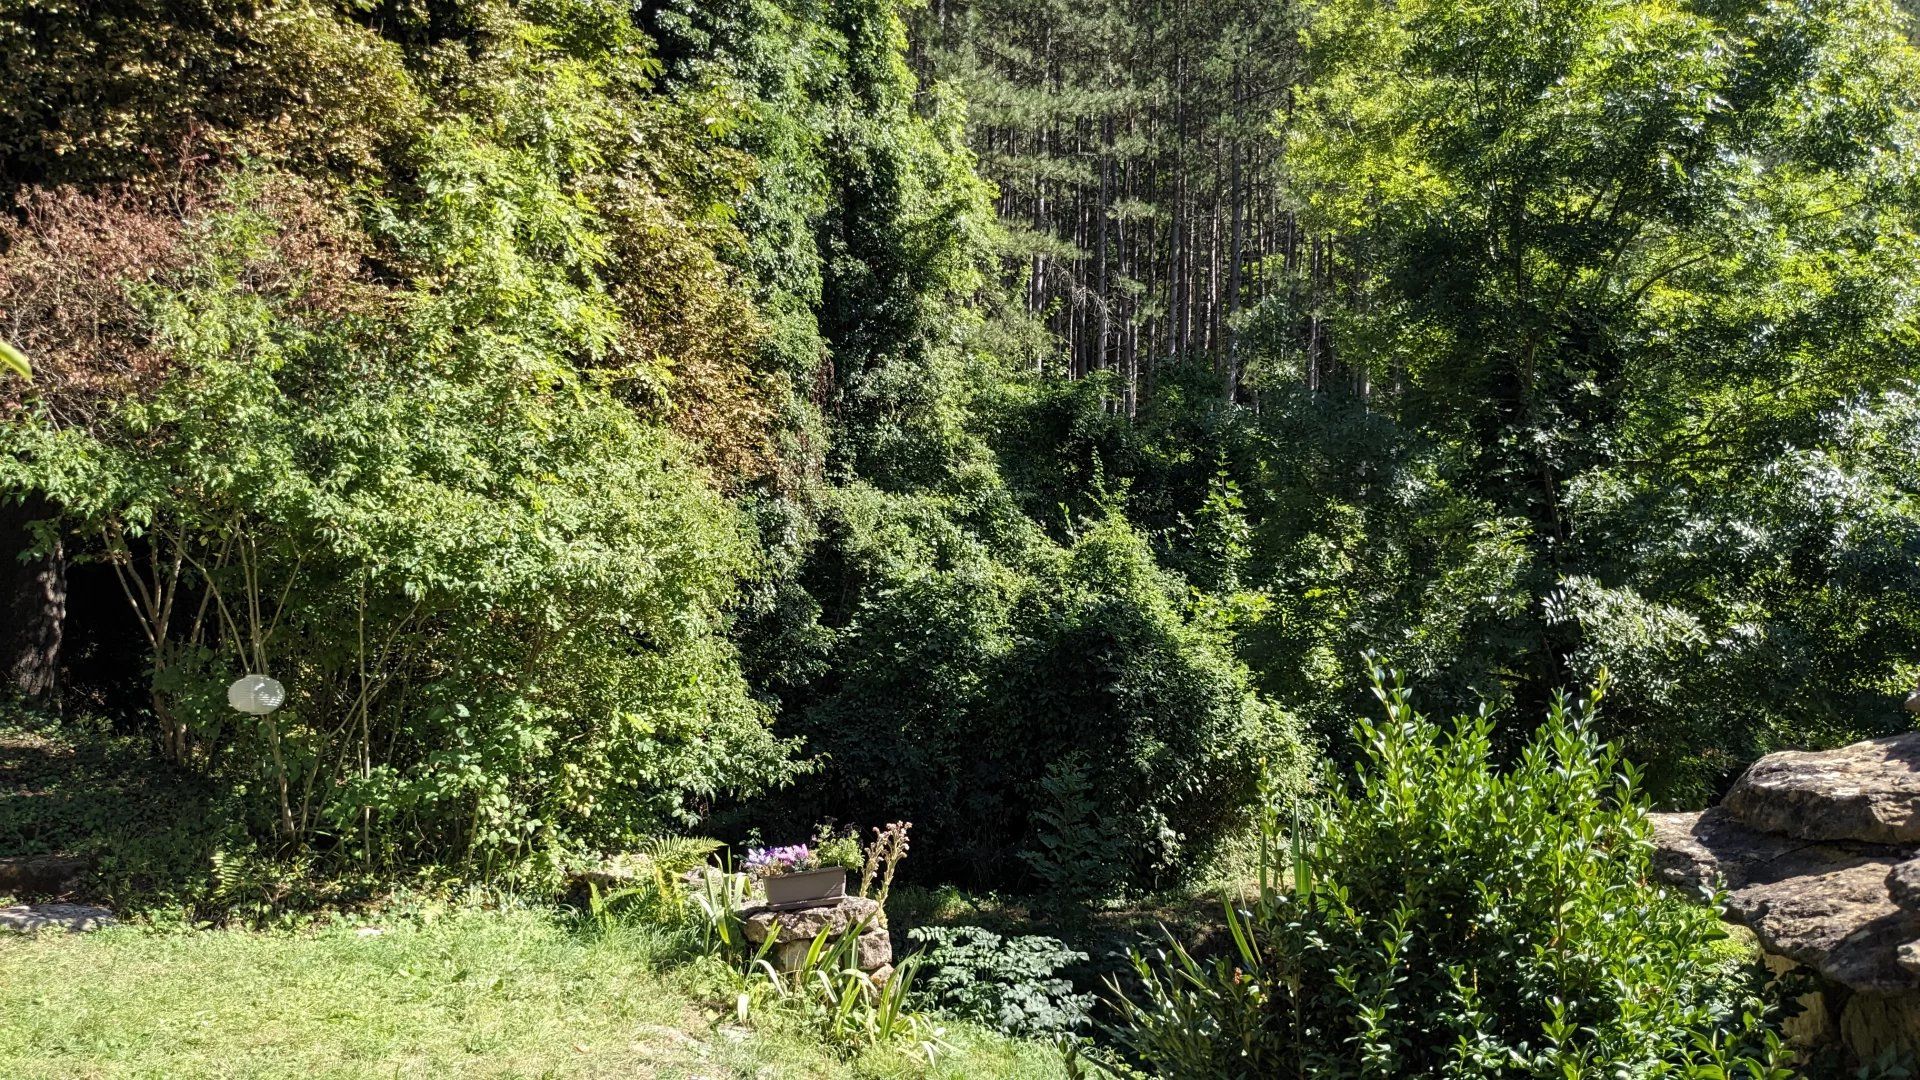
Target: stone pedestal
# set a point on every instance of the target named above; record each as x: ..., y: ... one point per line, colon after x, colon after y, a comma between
x: 1817, y: 853
x: 793, y: 932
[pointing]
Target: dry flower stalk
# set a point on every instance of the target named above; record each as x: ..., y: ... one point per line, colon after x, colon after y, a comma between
x: 883, y: 855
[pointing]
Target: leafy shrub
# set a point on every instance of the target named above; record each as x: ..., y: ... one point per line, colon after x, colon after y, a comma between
x: 1450, y: 918
x: 497, y: 593
x: 1073, y: 856
x: 1040, y: 712
x: 130, y: 91
x: 1114, y: 676
x: 1013, y: 984
x: 838, y: 849
x: 659, y: 893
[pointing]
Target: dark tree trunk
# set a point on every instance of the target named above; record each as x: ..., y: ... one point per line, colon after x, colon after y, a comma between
x: 35, y: 599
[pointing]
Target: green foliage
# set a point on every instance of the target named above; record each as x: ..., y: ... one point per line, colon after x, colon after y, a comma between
x: 1686, y: 250
x: 1601, y: 306
x: 443, y: 389
x: 1134, y: 154
x: 1114, y: 675
x: 864, y: 228
x: 902, y: 238
x: 1447, y: 917
x: 150, y: 832
x: 1770, y: 609
x: 598, y: 414
x: 965, y: 657
x: 716, y: 906
x: 659, y: 894
x: 1616, y: 265
x: 823, y: 987
x: 1074, y: 858
x: 497, y: 594
x: 838, y: 849
x: 136, y: 89
x: 1013, y: 985
x: 842, y: 1002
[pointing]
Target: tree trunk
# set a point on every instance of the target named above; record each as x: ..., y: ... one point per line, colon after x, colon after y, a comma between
x: 35, y: 599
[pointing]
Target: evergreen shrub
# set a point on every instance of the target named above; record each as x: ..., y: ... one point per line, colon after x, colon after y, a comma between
x: 1447, y: 916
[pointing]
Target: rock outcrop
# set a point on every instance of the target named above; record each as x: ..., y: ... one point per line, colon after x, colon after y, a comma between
x: 1869, y: 792
x: 1817, y: 854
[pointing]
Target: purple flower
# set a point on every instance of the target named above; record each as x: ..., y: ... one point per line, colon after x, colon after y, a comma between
x: 771, y: 862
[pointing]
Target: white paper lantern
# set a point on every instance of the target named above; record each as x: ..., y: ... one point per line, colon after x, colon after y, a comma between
x: 256, y: 695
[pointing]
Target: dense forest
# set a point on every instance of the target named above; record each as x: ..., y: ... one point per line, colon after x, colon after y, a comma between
x: 1049, y: 422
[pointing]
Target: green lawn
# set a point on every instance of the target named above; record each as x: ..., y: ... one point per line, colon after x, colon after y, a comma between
x: 498, y: 994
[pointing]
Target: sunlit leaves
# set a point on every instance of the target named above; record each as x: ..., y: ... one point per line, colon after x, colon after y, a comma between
x: 12, y: 359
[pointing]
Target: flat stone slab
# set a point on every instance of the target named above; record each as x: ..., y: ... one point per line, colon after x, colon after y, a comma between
x: 1869, y: 791
x: 1698, y: 849
x: 73, y: 918
x: 807, y: 923
x: 1840, y: 923
x: 1825, y: 905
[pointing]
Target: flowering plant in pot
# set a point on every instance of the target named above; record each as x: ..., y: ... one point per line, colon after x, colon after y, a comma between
x: 804, y: 875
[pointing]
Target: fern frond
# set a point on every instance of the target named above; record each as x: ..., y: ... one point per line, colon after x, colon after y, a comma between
x: 675, y: 855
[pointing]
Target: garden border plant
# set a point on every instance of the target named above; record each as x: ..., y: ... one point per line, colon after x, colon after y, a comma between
x: 1438, y: 914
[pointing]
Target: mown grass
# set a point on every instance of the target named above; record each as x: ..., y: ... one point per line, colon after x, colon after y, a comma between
x: 502, y: 993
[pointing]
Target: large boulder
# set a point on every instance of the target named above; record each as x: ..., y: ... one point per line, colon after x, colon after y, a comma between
x: 1869, y: 791
x: 1816, y: 852
x: 1828, y: 906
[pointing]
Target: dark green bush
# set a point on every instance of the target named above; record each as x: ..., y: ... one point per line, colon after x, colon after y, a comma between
x: 1448, y: 917
x: 1060, y: 715
x: 1139, y: 729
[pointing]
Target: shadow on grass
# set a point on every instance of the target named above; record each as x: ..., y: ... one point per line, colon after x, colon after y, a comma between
x: 1193, y: 917
x: 75, y: 788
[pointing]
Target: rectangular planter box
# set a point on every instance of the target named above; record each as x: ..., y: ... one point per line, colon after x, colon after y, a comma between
x: 811, y: 889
